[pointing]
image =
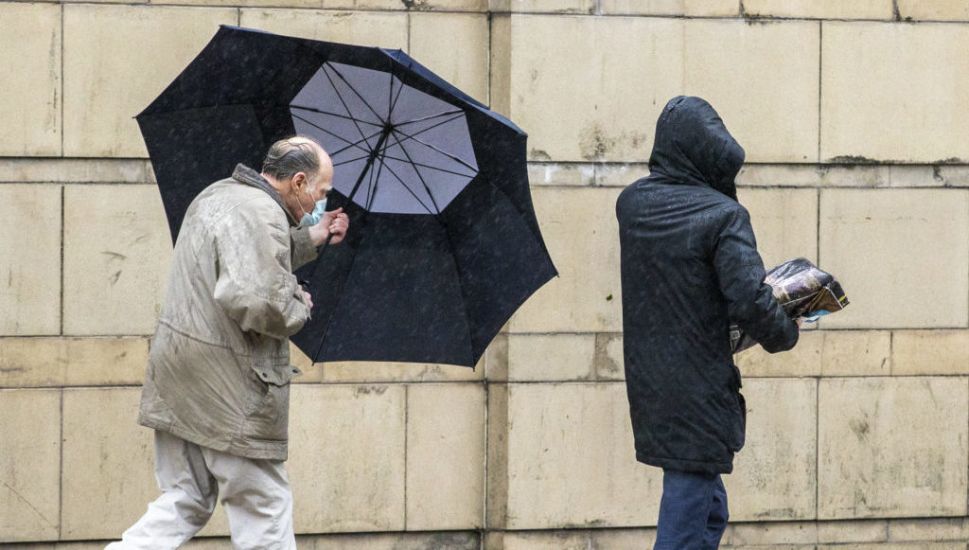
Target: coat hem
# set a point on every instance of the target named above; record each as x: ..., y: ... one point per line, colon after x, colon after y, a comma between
x: 685, y: 465
x: 270, y: 451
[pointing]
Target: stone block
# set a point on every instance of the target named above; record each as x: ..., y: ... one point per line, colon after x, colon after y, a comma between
x: 347, y: 457
x: 873, y: 72
x: 464, y: 60
x: 689, y: 8
x: 785, y: 222
x: 779, y: 175
x: 382, y: 29
x: 30, y: 104
x: 867, y: 530
x: 549, y: 173
x: 544, y: 6
x: 892, y: 447
x: 605, y: 58
x: 117, y: 250
x: 556, y: 357
x: 445, y: 456
x: 619, y: 175
x: 921, y: 352
x: 106, y: 50
x: 803, y: 360
x: 937, y: 10
x: 30, y: 261
x: 571, y: 461
x: 897, y: 546
x: 370, y: 372
x: 29, y: 170
x: 820, y: 9
x: 36, y: 362
x: 30, y: 465
x: 773, y: 535
x: 888, y: 243
x: 572, y: 539
x: 108, y: 460
x: 762, y: 79
x: 454, y: 540
x: 929, y: 529
x: 856, y: 353
x: 581, y: 233
x: 775, y: 473
x: 610, y: 360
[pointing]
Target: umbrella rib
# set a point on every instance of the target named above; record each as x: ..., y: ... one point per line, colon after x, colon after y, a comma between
x: 376, y: 181
x: 430, y: 117
x: 338, y: 115
x: 344, y: 103
x: 339, y: 137
x: 429, y: 128
x: 407, y: 187
x: 357, y: 143
x: 429, y: 146
x: 419, y: 175
x: 342, y: 162
x: 352, y: 89
x: 439, y: 169
x: 390, y: 114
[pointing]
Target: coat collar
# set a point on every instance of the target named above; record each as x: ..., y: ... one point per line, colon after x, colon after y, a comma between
x: 247, y: 176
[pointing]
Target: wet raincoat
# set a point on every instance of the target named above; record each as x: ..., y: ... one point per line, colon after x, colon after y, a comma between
x: 219, y: 371
x: 689, y: 267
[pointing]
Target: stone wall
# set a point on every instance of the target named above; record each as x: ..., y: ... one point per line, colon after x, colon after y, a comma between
x: 855, y: 118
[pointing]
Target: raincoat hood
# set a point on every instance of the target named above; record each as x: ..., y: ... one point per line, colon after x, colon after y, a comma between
x: 693, y: 147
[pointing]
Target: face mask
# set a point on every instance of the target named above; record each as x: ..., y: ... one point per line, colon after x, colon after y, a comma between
x: 314, y: 217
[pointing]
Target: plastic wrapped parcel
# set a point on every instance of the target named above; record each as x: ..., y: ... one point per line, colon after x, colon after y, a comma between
x: 803, y: 290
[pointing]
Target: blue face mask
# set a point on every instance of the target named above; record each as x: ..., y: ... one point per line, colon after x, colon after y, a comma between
x: 314, y: 217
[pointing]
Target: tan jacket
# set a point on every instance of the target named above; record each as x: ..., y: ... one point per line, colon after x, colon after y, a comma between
x: 219, y: 371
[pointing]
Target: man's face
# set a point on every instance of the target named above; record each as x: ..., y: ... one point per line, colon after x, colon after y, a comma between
x: 307, y: 189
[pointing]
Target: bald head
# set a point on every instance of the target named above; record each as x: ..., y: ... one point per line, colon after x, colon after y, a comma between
x: 300, y: 170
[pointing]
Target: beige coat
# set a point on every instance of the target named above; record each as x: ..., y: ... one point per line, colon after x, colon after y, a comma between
x: 219, y: 371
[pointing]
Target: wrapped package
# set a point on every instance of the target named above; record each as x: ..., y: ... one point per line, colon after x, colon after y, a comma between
x: 803, y: 290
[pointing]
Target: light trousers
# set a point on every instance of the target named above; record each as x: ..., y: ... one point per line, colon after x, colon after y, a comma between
x: 254, y: 493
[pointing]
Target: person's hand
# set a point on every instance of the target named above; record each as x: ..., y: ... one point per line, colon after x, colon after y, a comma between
x: 799, y: 321
x: 307, y: 299
x: 335, y: 222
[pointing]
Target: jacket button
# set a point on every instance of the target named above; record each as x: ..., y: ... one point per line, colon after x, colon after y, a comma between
x: 264, y: 375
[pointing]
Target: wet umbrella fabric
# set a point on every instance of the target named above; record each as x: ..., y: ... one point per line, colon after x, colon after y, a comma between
x: 444, y: 245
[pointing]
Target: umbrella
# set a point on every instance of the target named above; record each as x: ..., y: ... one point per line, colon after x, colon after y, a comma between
x: 444, y: 245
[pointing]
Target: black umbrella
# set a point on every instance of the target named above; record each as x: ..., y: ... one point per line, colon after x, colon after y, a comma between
x: 443, y: 246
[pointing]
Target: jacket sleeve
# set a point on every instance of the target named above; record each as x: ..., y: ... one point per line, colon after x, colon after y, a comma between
x: 255, y: 285
x: 750, y: 301
x: 304, y: 251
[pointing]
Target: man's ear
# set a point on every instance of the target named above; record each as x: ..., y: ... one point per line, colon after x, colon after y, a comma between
x: 299, y: 178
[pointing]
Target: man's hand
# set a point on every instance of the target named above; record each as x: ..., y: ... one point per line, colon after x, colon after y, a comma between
x: 307, y: 298
x: 334, y: 222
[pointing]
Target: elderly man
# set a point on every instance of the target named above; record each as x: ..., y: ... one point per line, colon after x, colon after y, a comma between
x: 217, y: 387
x: 690, y: 267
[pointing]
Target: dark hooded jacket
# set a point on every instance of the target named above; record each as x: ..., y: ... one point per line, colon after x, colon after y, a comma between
x: 689, y: 267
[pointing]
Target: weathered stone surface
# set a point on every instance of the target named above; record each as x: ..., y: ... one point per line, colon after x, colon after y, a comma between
x: 445, y: 456
x: 762, y: 79
x: 550, y: 357
x: 609, y: 359
x: 548, y: 173
x: 347, y: 457
x: 106, y: 50
x: 691, y: 8
x: 30, y: 170
x: 571, y: 539
x: 30, y: 104
x: 30, y: 260
x: 117, y: 250
x: 30, y: 464
x: 936, y: 10
x: 464, y: 62
x: 108, y: 460
x: 856, y: 353
x: 892, y: 447
x: 366, y: 372
x: 775, y: 473
x: 930, y: 352
x: 889, y: 243
x: 785, y: 222
x: 804, y: 360
x: 820, y: 9
x: 874, y: 70
x: 770, y: 534
x: 853, y: 531
x: 570, y: 459
x: 55, y: 361
x: 544, y: 6
x: 897, y: 546
x: 383, y: 29
x: 582, y: 237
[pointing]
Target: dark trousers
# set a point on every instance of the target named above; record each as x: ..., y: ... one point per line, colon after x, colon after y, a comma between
x: 692, y: 513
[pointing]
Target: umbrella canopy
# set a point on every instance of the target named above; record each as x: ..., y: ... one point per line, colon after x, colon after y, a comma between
x: 443, y: 246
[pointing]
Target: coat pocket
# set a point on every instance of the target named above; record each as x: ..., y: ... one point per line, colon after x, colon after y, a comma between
x: 267, y: 418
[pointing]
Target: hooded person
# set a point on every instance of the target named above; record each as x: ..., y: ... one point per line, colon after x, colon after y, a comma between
x: 690, y: 268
